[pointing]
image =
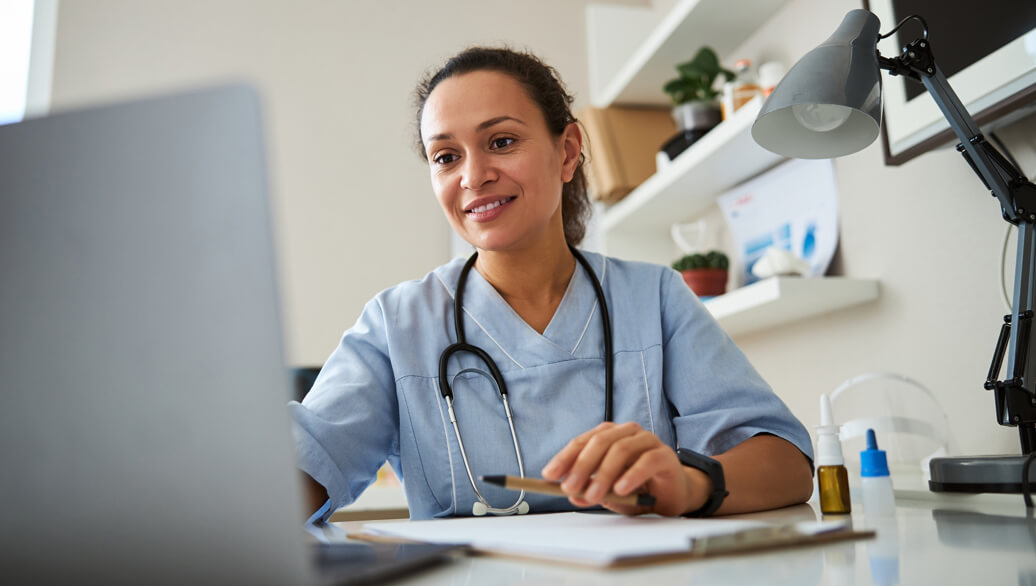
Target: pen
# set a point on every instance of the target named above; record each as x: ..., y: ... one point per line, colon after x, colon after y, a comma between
x: 554, y: 488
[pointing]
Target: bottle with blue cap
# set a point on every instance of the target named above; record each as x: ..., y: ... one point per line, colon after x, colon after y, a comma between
x: 875, y: 482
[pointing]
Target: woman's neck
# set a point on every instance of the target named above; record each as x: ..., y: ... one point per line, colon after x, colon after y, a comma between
x: 533, y: 280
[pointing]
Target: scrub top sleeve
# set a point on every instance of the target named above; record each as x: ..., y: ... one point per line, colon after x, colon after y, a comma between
x: 718, y: 397
x: 348, y: 423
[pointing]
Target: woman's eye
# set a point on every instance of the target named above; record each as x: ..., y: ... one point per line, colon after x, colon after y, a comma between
x: 445, y: 159
x: 502, y: 142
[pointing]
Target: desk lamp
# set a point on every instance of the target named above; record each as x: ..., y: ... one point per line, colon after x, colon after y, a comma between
x: 829, y: 105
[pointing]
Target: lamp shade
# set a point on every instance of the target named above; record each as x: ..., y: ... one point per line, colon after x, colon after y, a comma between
x: 829, y: 103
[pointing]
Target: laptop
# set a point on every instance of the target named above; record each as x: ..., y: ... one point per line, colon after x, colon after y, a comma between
x: 144, y: 434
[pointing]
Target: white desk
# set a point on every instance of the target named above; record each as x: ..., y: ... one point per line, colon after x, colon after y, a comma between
x: 961, y: 540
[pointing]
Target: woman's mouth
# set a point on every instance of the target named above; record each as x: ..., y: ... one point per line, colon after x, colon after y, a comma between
x: 489, y: 211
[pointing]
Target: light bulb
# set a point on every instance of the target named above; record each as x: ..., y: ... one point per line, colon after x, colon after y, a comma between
x: 821, y: 117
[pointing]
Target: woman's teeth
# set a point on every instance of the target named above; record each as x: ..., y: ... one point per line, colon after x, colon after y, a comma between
x: 489, y: 206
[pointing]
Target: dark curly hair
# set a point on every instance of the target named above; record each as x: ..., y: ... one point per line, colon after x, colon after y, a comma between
x: 545, y: 87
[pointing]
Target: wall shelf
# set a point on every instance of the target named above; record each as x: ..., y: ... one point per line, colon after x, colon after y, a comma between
x: 721, y: 159
x: 637, y: 226
x: 632, y: 53
x: 688, y: 26
x: 779, y: 300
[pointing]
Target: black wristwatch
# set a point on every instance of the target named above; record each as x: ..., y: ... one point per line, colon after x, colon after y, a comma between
x: 714, y: 470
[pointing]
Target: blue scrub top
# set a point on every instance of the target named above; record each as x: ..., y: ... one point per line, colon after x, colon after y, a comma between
x: 677, y: 373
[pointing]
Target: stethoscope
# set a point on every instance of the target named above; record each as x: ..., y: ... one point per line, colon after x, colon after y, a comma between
x: 482, y: 506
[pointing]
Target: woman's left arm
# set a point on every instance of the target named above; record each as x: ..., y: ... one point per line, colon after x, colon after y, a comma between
x: 762, y: 472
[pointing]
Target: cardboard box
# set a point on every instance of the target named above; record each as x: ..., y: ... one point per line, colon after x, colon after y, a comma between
x: 623, y: 142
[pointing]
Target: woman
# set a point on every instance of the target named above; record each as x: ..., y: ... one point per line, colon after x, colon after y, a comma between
x: 505, y: 159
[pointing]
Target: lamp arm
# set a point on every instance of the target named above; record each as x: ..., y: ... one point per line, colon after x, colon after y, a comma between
x: 1017, y: 195
x: 1015, y: 397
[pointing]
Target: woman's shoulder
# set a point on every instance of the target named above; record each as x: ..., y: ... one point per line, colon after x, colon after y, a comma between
x: 628, y: 273
x: 436, y: 285
x: 440, y: 283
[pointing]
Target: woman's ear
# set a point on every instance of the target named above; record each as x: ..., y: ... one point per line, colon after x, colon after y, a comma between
x: 572, y: 149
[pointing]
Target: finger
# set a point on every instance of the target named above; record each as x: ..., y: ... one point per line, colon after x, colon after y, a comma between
x: 647, y: 466
x: 559, y: 465
x: 626, y: 509
x: 622, y: 454
x: 588, y: 459
x: 580, y: 502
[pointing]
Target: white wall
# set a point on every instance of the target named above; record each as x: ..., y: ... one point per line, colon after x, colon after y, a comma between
x: 354, y: 210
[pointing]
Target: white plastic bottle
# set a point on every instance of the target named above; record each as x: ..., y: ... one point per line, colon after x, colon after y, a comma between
x: 875, y: 482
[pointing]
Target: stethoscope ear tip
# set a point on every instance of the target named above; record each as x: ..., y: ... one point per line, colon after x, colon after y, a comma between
x: 479, y: 509
x: 523, y: 508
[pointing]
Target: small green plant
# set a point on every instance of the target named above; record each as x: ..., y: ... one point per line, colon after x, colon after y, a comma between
x: 697, y: 77
x: 711, y: 260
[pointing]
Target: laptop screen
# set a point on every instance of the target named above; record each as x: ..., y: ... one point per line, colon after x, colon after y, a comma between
x: 143, y: 426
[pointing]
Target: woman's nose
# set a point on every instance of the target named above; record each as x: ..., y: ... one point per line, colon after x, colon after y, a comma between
x: 477, y: 172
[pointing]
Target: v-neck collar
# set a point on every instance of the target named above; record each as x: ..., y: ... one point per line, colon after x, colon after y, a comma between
x: 572, y: 330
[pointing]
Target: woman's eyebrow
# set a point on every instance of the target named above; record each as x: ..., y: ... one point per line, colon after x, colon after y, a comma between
x: 498, y: 120
x: 480, y: 127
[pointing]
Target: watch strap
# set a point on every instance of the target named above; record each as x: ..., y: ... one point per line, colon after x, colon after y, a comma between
x: 714, y: 470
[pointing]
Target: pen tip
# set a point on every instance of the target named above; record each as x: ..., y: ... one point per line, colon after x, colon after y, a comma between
x: 497, y: 479
x: 645, y: 500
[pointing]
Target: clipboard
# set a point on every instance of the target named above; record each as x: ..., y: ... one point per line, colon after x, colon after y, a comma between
x: 606, y: 540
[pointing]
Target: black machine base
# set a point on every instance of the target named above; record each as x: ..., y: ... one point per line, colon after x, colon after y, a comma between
x: 978, y: 474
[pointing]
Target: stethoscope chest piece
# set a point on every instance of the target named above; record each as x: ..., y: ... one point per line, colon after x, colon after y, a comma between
x: 479, y: 509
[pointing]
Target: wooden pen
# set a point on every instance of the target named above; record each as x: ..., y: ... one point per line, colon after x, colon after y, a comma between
x: 544, y: 487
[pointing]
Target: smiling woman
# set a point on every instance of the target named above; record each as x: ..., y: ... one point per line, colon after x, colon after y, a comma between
x: 528, y: 80
x: 544, y: 339
x: 496, y: 168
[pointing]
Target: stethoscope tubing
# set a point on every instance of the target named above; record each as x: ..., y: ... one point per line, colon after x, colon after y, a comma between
x: 517, y: 450
x: 461, y: 345
x: 609, y: 361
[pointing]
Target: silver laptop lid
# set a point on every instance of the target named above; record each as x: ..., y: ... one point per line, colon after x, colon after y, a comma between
x: 143, y: 429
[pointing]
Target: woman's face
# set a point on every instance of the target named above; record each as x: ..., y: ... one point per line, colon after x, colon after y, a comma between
x: 495, y: 167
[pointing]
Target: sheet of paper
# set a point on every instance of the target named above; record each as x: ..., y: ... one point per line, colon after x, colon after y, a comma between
x: 793, y: 207
x: 589, y: 538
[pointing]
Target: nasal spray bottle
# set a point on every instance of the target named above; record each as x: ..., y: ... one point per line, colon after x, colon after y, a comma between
x: 878, y: 496
x: 832, y: 477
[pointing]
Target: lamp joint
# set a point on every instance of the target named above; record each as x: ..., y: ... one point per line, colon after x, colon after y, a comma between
x: 1025, y: 199
x: 917, y: 58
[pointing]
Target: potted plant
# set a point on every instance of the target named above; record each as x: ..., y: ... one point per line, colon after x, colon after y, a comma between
x: 696, y: 109
x: 705, y: 274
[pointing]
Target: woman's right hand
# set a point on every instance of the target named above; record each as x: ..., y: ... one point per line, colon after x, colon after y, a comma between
x: 625, y: 459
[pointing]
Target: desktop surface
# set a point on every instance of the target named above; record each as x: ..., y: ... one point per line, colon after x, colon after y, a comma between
x: 927, y: 542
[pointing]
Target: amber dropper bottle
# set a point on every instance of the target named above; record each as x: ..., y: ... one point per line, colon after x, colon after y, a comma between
x: 832, y: 478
